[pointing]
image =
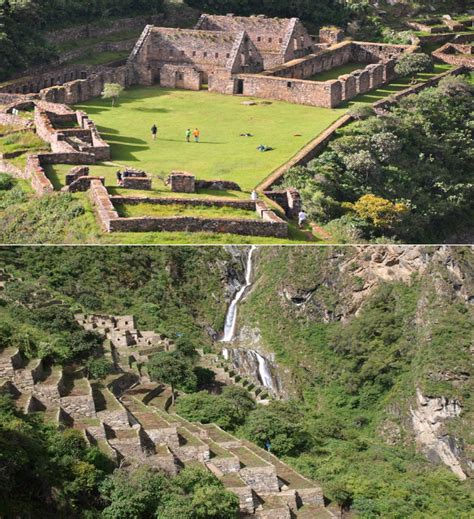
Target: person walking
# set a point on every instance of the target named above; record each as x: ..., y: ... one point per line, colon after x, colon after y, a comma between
x: 196, y: 134
x: 154, y: 132
x: 188, y: 135
x: 302, y: 216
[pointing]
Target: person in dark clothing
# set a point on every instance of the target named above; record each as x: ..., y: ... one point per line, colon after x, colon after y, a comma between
x: 154, y: 131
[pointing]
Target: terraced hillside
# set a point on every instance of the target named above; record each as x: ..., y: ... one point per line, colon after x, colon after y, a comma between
x: 127, y: 416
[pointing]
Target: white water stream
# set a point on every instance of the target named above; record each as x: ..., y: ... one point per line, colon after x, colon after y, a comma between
x: 231, y: 317
x: 264, y: 372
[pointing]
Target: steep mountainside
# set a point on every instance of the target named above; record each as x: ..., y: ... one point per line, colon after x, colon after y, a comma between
x: 376, y: 344
x: 370, y: 346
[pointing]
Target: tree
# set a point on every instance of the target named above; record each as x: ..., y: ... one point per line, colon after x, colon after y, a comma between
x: 112, y: 91
x: 212, y: 502
x: 98, y: 368
x: 171, y: 368
x: 413, y: 64
x: 378, y: 211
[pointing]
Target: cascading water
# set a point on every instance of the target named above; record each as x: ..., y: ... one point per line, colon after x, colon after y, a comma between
x: 231, y: 317
x: 254, y: 358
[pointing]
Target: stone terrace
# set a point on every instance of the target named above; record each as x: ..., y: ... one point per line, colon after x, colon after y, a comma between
x: 126, y: 416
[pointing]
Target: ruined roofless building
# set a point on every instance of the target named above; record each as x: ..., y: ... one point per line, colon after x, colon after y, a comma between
x: 186, y: 58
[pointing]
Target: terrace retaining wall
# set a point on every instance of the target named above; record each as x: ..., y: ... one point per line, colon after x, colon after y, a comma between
x: 273, y: 227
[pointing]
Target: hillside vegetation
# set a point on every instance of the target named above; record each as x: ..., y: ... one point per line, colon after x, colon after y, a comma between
x: 356, y: 333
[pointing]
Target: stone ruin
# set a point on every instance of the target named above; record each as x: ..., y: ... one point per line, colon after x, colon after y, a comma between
x: 256, y: 56
x: 184, y: 182
x: 127, y: 417
x: 135, y: 179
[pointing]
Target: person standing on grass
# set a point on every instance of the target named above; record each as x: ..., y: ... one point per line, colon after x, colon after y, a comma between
x: 196, y: 134
x: 188, y: 135
x: 254, y: 196
x: 302, y: 216
x: 154, y: 132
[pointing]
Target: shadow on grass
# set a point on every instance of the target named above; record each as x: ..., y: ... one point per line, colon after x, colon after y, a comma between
x: 122, y: 138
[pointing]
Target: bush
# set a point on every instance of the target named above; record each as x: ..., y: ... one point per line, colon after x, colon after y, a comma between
x: 6, y: 182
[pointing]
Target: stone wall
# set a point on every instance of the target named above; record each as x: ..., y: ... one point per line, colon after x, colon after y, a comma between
x: 180, y: 76
x: 331, y: 35
x: 288, y: 199
x: 102, y: 204
x: 456, y: 54
x: 327, y: 94
x: 260, y: 479
x: 274, y: 227
x: 76, y: 173
x: 83, y: 184
x: 35, y: 172
x: 226, y: 465
x: 192, y: 453
x: 143, y: 183
x: 181, y: 182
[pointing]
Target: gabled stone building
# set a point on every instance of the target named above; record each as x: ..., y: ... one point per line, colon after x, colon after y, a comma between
x: 270, y: 58
x: 277, y: 40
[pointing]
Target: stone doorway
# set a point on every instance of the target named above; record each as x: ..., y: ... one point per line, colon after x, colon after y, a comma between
x: 239, y: 86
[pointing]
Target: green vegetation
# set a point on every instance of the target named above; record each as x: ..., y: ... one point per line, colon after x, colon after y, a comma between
x: 200, y: 211
x: 405, y: 176
x: 409, y: 65
x: 228, y: 410
x: 222, y: 152
x: 21, y: 32
x: 354, y: 381
x: 100, y: 58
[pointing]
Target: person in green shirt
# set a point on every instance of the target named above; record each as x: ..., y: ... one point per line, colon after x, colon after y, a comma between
x: 188, y: 135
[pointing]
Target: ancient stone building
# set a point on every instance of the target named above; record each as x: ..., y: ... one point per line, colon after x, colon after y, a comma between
x: 255, y: 56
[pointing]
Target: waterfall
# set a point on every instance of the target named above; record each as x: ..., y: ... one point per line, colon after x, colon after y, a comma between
x: 264, y: 372
x: 246, y: 361
x: 231, y: 317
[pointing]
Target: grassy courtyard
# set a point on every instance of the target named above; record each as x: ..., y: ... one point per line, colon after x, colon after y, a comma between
x: 334, y: 73
x: 222, y: 152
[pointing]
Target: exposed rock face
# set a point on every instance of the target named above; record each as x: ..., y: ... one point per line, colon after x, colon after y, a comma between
x: 428, y: 418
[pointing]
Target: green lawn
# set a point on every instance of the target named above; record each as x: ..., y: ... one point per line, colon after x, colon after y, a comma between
x: 200, y: 211
x: 338, y: 71
x: 222, y: 152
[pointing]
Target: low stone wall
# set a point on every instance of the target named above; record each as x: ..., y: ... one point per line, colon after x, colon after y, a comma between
x: 35, y: 172
x: 192, y: 453
x: 83, y: 184
x: 166, y: 435
x: 103, y: 206
x: 247, y: 205
x: 247, y: 502
x: 76, y: 173
x: 116, y: 419
x: 288, y: 199
x: 273, y: 228
x: 456, y: 54
x: 311, y: 496
x: 143, y: 183
x: 226, y: 465
x: 260, y: 479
